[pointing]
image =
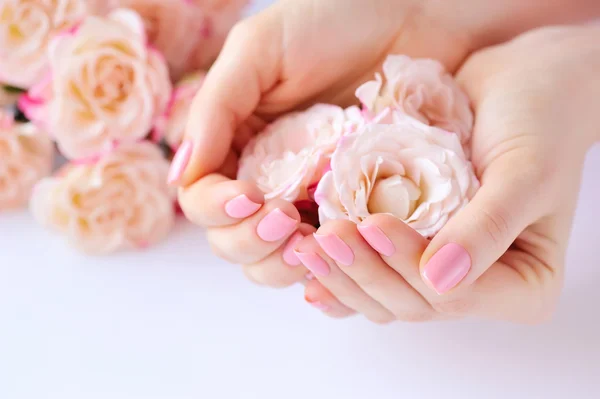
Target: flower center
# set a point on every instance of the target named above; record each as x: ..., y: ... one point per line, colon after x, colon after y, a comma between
x: 395, y: 195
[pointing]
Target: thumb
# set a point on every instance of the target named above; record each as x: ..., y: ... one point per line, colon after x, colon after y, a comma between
x: 245, y: 69
x: 473, y: 240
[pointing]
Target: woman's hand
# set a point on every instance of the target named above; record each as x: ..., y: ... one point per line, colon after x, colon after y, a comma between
x: 502, y: 256
x: 293, y: 54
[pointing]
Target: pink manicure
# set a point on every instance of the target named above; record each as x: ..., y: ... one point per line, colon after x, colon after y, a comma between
x: 447, y: 267
x: 320, y: 306
x: 314, y: 263
x: 377, y: 239
x: 275, y: 226
x: 180, y: 161
x: 289, y: 256
x: 336, y: 248
x: 241, y: 207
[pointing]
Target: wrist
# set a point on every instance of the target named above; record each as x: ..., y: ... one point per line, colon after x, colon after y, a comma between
x: 488, y: 23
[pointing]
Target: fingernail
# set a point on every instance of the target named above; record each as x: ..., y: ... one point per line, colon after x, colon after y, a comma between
x: 241, y: 207
x: 317, y: 304
x: 336, y: 248
x: 314, y: 263
x: 275, y: 226
x: 377, y: 239
x: 289, y: 256
x: 447, y: 267
x: 180, y: 161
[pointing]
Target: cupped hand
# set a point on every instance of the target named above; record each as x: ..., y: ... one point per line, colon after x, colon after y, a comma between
x: 502, y: 256
x: 293, y: 54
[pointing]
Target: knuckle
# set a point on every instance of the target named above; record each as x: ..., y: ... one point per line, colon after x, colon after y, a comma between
x: 243, y: 31
x: 496, y: 223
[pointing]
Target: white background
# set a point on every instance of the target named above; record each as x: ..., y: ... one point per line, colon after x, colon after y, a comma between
x: 174, y: 322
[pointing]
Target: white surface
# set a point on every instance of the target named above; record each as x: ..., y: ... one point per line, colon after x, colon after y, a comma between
x: 175, y: 323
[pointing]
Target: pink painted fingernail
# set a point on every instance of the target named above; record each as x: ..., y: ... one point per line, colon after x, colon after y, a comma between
x: 377, y: 239
x: 336, y: 248
x: 289, y: 256
x: 447, y: 267
x: 241, y: 207
x: 275, y: 226
x: 317, y: 304
x: 180, y: 161
x: 314, y: 263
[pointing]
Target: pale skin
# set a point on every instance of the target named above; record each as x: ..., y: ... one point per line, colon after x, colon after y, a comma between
x: 526, y: 93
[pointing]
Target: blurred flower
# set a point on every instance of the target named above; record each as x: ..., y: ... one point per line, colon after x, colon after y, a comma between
x: 26, y: 156
x: 292, y: 154
x: 422, y: 89
x: 415, y: 172
x: 121, y: 201
x: 170, y: 126
x: 26, y: 29
x: 106, y: 86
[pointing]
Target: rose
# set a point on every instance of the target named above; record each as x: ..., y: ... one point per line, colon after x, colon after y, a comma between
x: 106, y: 86
x: 291, y: 154
x: 219, y: 16
x: 171, y: 124
x: 410, y: 170
x: 26, y: 156
x: 420, y: 88
x: 172, y: 26
x: 121, y: 201
x: 26, y: 28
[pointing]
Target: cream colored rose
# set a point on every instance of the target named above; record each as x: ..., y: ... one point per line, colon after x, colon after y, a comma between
x: 218, y: 17
x: 26, y: 156
x: 26, y: 29
x: 422, y: 89
x: 172, y: 26
x: 293, y: 152
x: 107, y: 86
x: 410, y: 170
x: 121, y: 201
x: 171, y: 125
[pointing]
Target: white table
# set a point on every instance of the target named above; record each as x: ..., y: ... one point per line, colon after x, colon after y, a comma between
x: 175, y: 322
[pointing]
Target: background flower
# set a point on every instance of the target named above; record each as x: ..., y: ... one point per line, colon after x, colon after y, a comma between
x: 121, y: 201
x: 413, y: 171
x: 26, y: 156
x: 292, y: 153
x: 26, y: 28
x: 170, y: 126
x: 422, y: 89
x: 106, y: 87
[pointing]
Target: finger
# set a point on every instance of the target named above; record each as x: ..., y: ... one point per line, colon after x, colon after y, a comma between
x: 343, y: 243
x: 320, y: 298
x: 482, y: 232
x: 246, y: 68
x: 216, y: 201
x: 338, y: 283
x: 282, y: 268
x: 258, y: 236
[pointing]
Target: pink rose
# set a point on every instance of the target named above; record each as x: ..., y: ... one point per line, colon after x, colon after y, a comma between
x: 420, y: 88
x: 293, y: 152
x: 121, y: 201
x: 171, y: 124
x: 26, y: 29
x: 107, y: 86
x: 26, y: 156
x: 415, y: 172
x: 172, y: 27
x: 219, y: 16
